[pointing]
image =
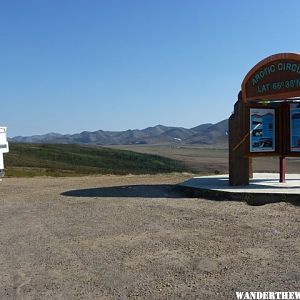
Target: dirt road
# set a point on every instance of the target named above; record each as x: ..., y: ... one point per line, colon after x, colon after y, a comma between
x: 135, y: 237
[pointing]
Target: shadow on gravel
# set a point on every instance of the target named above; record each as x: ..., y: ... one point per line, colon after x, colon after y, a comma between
x: 175, y: 192
x: 135, y: 191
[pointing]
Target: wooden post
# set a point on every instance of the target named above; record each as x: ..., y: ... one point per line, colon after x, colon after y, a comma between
x: 239, y: 165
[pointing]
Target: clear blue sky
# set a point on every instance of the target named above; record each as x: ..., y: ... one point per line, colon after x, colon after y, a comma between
x: 73, y: 65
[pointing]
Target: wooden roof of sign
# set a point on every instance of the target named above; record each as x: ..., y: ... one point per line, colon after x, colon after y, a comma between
x: 275, y: 77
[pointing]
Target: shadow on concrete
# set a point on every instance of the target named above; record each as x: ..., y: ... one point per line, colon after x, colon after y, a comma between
x: 295, y: 202
x: 134, y: 191
x: 222, y: 182
x: 253, y: 199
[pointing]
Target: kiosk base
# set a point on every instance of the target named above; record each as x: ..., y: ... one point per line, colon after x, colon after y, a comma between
x: 262, y: 189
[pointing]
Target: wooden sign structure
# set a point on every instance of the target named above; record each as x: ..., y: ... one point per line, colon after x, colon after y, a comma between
x: 266, y: 117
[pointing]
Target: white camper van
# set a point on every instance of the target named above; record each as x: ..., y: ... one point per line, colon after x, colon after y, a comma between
x: 3, y: 148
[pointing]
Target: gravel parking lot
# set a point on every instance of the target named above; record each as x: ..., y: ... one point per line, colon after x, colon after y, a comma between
x: 136, y: 237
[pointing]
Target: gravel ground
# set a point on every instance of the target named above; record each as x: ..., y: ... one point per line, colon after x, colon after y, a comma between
x: 135, y: 237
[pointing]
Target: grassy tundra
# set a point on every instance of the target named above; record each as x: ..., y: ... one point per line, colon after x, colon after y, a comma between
x: 72, y: 160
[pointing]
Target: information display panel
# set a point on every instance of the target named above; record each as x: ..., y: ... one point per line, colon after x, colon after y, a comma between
x: 262, y: 130
x: 295, y: 127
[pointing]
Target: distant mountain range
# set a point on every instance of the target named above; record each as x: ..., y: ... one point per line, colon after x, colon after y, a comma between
x: 205, y: 134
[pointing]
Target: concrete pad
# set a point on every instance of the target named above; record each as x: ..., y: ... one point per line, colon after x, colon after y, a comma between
x: 263, y: 188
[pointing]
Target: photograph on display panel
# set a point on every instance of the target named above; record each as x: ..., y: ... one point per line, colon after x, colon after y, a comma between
x: 262, y: 130
x: 295, y: 127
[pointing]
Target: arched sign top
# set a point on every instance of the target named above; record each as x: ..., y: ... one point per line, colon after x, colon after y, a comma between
x: 275, y: 77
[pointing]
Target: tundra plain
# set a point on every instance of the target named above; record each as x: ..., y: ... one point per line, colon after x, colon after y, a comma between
x: 207, y: 160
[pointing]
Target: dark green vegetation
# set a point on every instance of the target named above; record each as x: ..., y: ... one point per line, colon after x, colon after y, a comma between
x: 73, y: 160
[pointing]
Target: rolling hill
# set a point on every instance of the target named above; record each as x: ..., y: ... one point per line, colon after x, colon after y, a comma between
x: 205, y: 134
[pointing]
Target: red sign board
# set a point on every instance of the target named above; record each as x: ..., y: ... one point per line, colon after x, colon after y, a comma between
x: 273, y: 78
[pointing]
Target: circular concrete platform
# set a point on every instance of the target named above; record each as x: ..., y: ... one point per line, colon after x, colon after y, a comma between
x: 263, y: 188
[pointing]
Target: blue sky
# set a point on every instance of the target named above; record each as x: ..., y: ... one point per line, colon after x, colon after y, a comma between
x: 73, y: 65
